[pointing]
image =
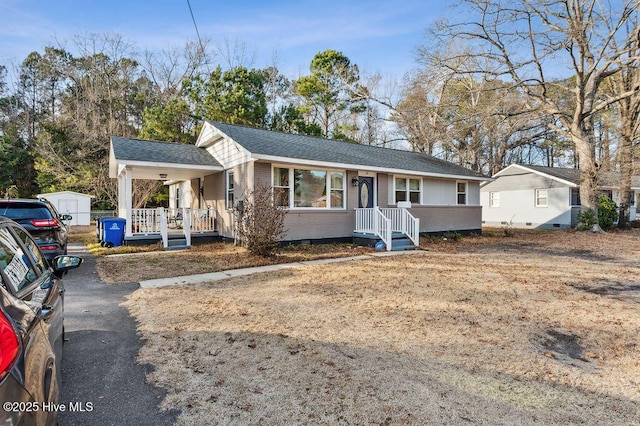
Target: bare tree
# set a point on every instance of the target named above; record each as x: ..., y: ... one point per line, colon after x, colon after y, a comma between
x: 465, y: 118
x: 628, y: 123
x: 533, y: 43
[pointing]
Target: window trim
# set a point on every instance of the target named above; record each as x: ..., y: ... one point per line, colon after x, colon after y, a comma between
x: 408, y: 191
x: 536, y: 197
x: 228, y: 176
x: 328, y: 187
x: 494, y: 202
x: 466, y: 193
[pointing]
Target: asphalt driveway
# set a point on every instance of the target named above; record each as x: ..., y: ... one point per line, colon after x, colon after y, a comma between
x: 101, y: 382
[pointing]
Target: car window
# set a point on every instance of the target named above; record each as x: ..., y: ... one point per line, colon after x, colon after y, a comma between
x: 32, y: 250
x: 24, y: 211
x: 14, y: 262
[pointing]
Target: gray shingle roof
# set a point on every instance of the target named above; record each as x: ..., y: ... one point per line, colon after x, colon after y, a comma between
x: 571, y: 175
x: 287, y: 145
x: 161, y: 152
x: 605, y: 179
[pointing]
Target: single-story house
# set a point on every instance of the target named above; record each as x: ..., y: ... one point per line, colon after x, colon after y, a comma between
x: 524, y: 196
x: 333, y: 190
x: 72, y: 203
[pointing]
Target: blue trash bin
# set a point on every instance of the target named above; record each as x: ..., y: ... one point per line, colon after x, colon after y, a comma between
x: 100, y: 229
x: 113, y: 231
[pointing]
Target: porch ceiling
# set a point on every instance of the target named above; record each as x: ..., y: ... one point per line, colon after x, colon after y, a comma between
x: 172, y: 172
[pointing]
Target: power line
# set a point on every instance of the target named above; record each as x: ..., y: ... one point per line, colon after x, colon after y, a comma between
x: 196, y: 27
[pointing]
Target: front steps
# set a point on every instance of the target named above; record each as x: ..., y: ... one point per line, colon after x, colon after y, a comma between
x: 177, y: 244
x: 400, y: 241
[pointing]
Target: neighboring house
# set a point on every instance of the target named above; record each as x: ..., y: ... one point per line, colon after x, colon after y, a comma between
x: 333, y: 190
x: 542, y: 197
x: 73, y: 203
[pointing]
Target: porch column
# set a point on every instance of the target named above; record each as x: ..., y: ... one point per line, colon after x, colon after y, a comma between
x: 124, y: 198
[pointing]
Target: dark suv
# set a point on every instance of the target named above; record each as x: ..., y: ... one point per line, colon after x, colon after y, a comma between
x: 42, y: 221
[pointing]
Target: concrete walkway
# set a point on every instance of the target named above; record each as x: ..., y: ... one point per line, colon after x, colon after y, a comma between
x: 215, y: 276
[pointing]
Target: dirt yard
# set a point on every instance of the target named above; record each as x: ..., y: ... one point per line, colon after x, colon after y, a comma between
x: 540, y: 328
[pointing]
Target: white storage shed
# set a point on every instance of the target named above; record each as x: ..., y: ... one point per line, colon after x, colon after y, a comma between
x: 73, y: 203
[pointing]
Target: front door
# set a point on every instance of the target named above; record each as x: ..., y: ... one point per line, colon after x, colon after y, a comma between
x: 365, y: 192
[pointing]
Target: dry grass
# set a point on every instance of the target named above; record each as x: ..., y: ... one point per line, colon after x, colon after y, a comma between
x: 150, y: 261
x: 541, y: 328
x: 204, y: 258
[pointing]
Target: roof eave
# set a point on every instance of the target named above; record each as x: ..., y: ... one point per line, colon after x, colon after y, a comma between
x: 305, y: 162
x: 547, y: 175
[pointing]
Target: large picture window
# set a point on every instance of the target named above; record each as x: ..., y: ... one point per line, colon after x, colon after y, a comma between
x: 407, y: 189
x: 308, y: 188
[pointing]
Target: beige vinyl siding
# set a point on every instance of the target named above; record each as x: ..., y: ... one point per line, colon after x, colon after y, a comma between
x: 448, y: 218
x: 383, y: 189
x: 306, y: 225
x: 262, y: 173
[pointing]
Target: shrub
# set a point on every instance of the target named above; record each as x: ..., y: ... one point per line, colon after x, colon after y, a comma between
x: 607, y: 212
x: 607, y: 215
x: 260, y: 222
x: 586, y: 219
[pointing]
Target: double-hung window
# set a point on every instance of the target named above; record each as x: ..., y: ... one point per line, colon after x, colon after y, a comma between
x: 542, y: 199
x: 230, y: 190
x: 336, y: 183
x: 494, y: 199
x: 308, y: 188
x: 407, y: 189
x: 461, y: 191
x: 281, y: 187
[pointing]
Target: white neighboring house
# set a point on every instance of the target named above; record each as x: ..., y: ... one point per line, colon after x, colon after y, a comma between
x: 73, y: 203
x: 543, y: 197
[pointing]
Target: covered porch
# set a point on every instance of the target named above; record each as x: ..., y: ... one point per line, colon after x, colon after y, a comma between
x: 174, y: 227
x: 132, y: 159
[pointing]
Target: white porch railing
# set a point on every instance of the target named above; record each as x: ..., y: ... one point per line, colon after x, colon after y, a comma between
x: 383, y: 222
x: 374, y: 221
x: 405, y: 222
x: 160, y: 220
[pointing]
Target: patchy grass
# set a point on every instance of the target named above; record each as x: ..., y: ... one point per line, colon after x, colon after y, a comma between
x: 205, y: 258
x: 151, y: 261
x: 538, y: 328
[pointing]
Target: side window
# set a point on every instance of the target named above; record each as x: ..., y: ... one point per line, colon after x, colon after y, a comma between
x: 32, y: 250
x: 14, y: 262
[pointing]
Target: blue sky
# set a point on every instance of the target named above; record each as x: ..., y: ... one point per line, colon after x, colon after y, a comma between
x: 379, y: 36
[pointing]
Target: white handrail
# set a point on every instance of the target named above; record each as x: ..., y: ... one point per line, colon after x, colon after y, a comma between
x: 375, y: 222
x: 186, y: 214
x: 405, y: 222
x: 396, y: 220
x: 164, y: 227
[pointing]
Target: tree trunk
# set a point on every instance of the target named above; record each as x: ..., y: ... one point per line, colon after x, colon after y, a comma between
x: 588, y: 173
x: 626, y: 169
